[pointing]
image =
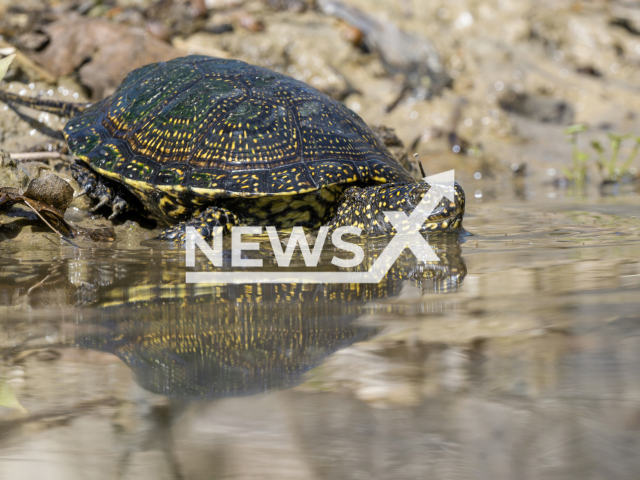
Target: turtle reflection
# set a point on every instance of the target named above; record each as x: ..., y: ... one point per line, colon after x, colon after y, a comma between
x: 205, y: 341
x: 238, y: 341
x: 227, y: 340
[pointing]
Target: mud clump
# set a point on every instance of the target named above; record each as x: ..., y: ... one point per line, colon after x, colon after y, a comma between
x: 10, y: 175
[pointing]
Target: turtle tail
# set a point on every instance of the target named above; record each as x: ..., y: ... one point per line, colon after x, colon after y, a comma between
x: 62, y: 109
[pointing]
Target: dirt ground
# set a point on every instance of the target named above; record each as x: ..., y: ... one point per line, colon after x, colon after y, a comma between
x: 486, y: 88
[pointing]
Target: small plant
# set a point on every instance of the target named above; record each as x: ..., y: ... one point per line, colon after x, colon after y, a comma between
x: 578, y: 171
x: 609, y: 166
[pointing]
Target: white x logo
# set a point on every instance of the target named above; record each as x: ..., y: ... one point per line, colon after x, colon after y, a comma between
x: 408, y: 227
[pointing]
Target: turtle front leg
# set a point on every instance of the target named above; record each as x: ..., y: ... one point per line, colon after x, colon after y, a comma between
x: 97, y: 188
x: 204, y: 223
x: 365, y: 207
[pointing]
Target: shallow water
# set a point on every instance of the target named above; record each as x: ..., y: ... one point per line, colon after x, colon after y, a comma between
x: 516, y: 356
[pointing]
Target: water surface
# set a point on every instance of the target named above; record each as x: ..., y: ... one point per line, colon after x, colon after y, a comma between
x: 516, y: 356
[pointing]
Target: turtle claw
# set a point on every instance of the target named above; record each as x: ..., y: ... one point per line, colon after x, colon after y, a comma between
x: 87, y: 185
x: 82, y: 192
x: 98, y: 188
x: 117, y: 205
x: 102, y: 201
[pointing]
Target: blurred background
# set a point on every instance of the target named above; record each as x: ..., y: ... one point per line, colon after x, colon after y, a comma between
x: 514, y: 357
x: 487, y: 87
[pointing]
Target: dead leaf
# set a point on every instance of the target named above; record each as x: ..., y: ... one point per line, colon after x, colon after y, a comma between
x: 9, y: 196
x: 105, y: 52
x: 49, y: 197
x: 5, y: 63
x: 8, y: 398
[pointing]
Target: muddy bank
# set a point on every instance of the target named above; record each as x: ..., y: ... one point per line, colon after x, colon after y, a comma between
x: 485, y: 89
x: 554, y: 63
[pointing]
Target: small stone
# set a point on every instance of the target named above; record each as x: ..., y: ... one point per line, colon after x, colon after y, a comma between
x: 52, y: 190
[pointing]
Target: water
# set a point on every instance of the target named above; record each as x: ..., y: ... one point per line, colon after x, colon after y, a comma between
x: 516, y: 356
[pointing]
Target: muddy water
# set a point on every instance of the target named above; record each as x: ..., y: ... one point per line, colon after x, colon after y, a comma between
x: 515, y: 356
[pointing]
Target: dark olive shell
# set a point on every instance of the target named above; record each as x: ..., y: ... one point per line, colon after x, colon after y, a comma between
x: 226, y: 128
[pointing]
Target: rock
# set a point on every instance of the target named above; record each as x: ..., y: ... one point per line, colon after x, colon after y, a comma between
x: 409, y: 55
x: 52, y: 190
x: 539, y: 108
x: 6, y: 160
x: 33, y: 169
x: 250, y: 23
x: 291, y: 5
x: 308, y: 50
x: 388, y: 136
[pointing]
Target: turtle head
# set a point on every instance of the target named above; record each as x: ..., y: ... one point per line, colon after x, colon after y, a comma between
x: 449, y: 205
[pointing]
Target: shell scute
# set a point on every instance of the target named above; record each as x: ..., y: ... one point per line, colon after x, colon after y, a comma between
x: 140, y: 169
x: 109, y: 156
x: 290, y: 179
x: 172, y: 175
x: 130, y: 108
x: 213, y: 180
x: 245, y: 183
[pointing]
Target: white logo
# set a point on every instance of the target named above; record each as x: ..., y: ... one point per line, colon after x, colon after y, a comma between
x: 407, y: 236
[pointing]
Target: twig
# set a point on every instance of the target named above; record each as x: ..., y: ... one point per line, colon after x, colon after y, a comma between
x: 36, y: 155
x: 417, y: 157
x: 41, y: 127
x: 41, y: 282
x: 67, y: 413
x: 50, y: 226
x: 403, y: 91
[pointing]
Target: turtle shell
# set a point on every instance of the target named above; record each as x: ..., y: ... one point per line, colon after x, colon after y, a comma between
x: 220, y: 127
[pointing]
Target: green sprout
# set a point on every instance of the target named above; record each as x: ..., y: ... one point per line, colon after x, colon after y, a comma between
x: 578, y: 171
x: 632, y: 156
x: 609, y: 166
x: 607, y: 162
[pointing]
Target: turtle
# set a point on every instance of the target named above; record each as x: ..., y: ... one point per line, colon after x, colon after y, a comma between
x: 210, y: 142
